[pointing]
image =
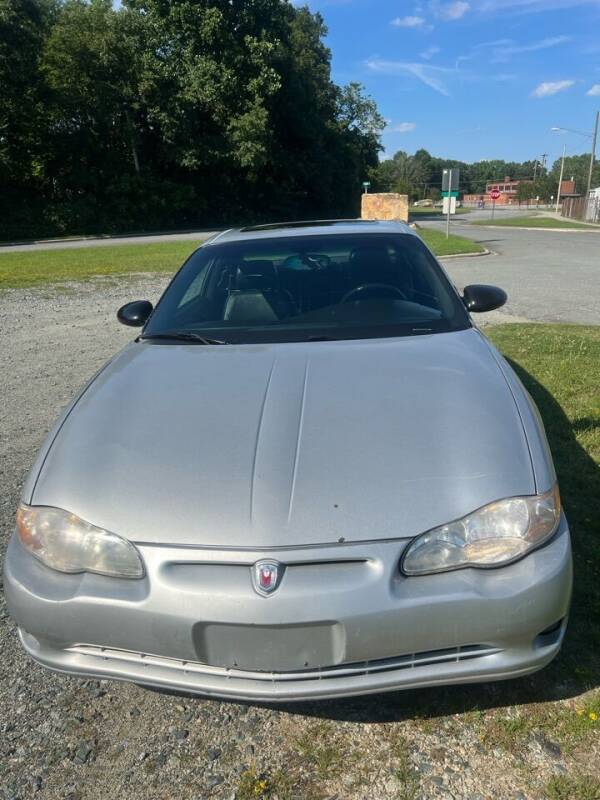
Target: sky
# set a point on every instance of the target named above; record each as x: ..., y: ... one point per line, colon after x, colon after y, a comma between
x: 472, y: 79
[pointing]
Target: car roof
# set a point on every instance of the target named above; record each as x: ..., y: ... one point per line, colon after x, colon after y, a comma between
x: 282, y: 230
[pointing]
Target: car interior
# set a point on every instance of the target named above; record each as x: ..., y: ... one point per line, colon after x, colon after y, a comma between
x: 367, y: 282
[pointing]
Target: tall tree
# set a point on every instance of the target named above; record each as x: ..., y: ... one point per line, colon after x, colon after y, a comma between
x: 177, y: 113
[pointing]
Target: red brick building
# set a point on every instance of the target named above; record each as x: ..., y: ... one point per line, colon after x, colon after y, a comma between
x: 508, y: 192
x: 507, y: 188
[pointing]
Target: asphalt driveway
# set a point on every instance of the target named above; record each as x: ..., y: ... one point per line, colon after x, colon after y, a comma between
x: 550, y: 276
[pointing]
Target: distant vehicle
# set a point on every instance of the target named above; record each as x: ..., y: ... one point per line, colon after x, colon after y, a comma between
x: 423, y: 203
x: 309, y: 476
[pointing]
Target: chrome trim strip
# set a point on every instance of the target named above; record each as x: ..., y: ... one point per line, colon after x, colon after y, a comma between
x: 411, y: 661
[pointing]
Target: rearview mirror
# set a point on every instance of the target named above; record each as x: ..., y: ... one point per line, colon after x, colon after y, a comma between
x: 135, y: 314
x: 479, y: 297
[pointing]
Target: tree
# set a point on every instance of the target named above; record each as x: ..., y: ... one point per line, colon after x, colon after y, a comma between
x: 175, y: 113
x: 525, y: 192
x: 403, y: 174
x: 577, y: 167
x: 23, y: 26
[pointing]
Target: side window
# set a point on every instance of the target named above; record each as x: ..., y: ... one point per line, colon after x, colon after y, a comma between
x: 194, y: 289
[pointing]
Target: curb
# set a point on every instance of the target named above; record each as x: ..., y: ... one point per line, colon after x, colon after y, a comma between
x: 543, y: 230
x: 486, y: 252
x: 108, y: 237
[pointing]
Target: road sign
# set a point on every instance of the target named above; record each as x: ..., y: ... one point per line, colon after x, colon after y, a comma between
x: 494, y: 194
x: 450, y: 179
x: 449, y: 205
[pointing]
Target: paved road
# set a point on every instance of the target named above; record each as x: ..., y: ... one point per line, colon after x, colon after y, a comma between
x: 60, y: 244
x: 550, y: 276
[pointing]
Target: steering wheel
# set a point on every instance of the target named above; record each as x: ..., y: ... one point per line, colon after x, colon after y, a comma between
x: 385, y: 288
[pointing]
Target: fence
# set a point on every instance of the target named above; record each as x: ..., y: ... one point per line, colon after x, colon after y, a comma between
x: 586, y: 209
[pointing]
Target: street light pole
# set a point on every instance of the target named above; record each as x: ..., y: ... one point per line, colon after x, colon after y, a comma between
x: 562, y: 170
x: 593, y: 156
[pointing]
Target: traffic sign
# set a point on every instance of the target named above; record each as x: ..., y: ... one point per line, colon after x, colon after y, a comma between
x: 450, y: 179
x: 494, y: 194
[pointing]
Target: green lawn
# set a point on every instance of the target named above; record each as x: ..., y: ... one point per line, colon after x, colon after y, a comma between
x: 57, y: 266
x: 453, y: 245
x: 535, y: 222
x: 73, y: 264
x: 434, y: 213
x: 560, y: 367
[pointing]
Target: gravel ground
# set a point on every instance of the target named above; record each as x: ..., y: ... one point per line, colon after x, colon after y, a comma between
x: 62, y: 737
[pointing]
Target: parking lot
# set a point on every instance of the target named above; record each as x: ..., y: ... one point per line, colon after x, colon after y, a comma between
x: 61, y: 737
x: 550, y: 276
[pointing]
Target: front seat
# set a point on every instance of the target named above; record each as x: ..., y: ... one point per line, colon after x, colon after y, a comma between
x: 257, y: 298
x: 371, y: 264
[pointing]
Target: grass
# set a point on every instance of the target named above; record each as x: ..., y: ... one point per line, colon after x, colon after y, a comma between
x: 534, y: 222
x: 453, y: 245
x: 37, y: 267
x: 558, y: 707
x: 259, y: 786
x: 408, y: 780
x: 320, y: 749
x: 564, y: 787
x: 560, y: 367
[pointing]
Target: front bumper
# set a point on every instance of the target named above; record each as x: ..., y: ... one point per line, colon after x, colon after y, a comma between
x: 343, y: 622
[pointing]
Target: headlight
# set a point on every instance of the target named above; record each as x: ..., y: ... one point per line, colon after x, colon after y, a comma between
x: 66, y: 543
x: 496, y: 534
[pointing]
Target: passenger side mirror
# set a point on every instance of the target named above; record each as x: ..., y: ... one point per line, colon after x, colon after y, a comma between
x: 479, y: 297
x: 135, y: 314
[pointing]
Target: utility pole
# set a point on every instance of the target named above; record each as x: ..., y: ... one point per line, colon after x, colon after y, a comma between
x: 541, y: 163
x: 562, y: 170
x: 593, y: 156
x: 449, y: 198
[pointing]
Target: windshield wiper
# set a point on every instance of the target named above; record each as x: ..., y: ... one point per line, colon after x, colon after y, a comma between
x: 183, y: 336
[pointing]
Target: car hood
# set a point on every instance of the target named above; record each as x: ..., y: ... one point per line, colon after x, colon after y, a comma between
x: 289, y: 444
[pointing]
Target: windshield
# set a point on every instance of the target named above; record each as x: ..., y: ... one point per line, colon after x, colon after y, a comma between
x: 310, y: 287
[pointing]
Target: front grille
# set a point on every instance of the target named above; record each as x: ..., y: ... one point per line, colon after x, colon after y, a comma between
x: 405, y: 662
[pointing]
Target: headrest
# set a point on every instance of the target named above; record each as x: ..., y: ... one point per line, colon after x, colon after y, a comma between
x: 370, y: 256
x: 259, y: 274
x: 261, y: 267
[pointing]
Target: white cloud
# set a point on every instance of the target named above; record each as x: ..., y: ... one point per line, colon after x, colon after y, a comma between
x: 505, y: 50
x: 402, y: 127
x: 430, y: 52
x: 408, y: 22
x: 454, y: 10
x: 548, y: 88
x: 530, y: 6
x: 426, y: 73
x: 594, y: 91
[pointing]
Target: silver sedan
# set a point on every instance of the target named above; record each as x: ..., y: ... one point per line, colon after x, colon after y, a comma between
x: 309, y: 476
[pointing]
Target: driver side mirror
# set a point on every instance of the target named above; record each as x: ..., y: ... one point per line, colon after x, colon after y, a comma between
x: 479, y: 297
x: 135, y: 314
